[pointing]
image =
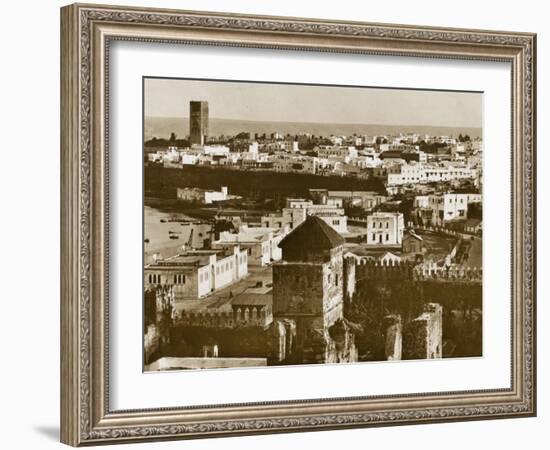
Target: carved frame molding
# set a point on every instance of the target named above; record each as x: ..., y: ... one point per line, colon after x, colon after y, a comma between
x: 86, y: 31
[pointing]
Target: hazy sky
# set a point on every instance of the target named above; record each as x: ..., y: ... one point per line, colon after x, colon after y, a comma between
x: 322, y: 104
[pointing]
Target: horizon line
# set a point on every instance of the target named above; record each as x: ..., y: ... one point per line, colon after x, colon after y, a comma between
x: 321, y: 123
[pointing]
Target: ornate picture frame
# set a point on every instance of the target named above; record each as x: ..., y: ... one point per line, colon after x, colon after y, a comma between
x: 86, y: 34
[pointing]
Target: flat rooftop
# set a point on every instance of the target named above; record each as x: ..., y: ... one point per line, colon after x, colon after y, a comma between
x: 194, y: 258
x: 255, y: 289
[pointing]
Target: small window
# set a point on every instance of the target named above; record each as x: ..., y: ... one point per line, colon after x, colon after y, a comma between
x: 387, y: 237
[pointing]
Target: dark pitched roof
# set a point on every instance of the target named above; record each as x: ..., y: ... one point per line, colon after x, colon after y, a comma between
x: 313, y: 233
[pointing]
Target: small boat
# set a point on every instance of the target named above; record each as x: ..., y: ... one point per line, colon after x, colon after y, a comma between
x: 162, y: 220
x: 146, y: 240
x: 173, y: 236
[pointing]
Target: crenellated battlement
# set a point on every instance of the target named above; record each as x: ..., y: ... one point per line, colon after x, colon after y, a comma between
x: 237, y: 317
x: 408, y: 270
x: 402, y: 270
x: 448, y: 273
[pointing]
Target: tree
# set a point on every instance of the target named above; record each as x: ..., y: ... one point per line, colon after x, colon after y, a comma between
x: 172, y: 137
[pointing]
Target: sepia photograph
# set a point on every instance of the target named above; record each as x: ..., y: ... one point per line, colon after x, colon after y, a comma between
x: 288, y: 224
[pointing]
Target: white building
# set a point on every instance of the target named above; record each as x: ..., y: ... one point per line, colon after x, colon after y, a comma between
x: 336, y: 152
x: 298, y: 209
x: 385, y: 228
x: 253, y: 148
x: 414, y: 173
x: 447, y: 206
x: 203, y: 196
x: 172, y: 155
x: 197, y: 273
x: 298, y: 203
x: 189, y: 160
x: 288, y: 217
x: 216, y: 150
x: 260, y: 243
x: 341, y: 199
x: 286, y: 162
x: 449, y: 173
x: 406, y: 174
x: 332, y: 215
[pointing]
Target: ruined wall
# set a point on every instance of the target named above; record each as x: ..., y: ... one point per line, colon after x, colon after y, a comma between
x: 393, y: 337
x: 333, y: 290
x: 275, y: 342
x: 423, y: 336
x: 341, y: 345
x: 399, y: 289
x: 281, y: 335
x: 350, y: 279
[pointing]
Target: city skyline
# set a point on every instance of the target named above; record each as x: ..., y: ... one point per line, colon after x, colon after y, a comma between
x: 309, y: 243
x: 319, y: 104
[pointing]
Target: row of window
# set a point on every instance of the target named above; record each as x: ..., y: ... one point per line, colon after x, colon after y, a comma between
x: 179, y: 278
x: 155, y: 278
x: 387, y: 237
x: 229, y: 264
x: 381, y: 225
x: 224, y: 267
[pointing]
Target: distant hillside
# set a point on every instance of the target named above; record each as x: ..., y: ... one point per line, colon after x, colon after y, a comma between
x: 161, y: 127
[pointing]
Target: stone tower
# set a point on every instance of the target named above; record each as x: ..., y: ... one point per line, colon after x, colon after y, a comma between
x: 198, y: 122
x: 308, y: 288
